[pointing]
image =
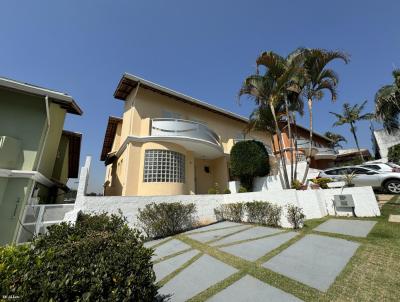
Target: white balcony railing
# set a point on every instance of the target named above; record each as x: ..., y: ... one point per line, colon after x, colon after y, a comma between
x: 38, y: 217
x: 183, y: 128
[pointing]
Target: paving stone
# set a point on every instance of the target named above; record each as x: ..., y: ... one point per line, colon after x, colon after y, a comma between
x: 248, y: 234
x: 215, y: 226
x: 394, y: 218
x: 357, y: 228
x: 252, y: 250
x: 164, y: 268
x: 314, y: 260
x: 252, y: 289
x: 171, y: 247
x: 216, y: 234
x: 154, y: 242
x: 197, y: 277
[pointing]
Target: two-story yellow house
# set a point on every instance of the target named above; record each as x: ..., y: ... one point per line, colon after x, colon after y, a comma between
x: 168, y: 143
x: 37, y: 157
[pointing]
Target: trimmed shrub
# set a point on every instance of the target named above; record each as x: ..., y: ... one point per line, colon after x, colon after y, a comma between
x: 394, y: 154
x: 258, y: 211
x: 165, y: 219
x: 227, y: 191
x: 249, y: 159
x: 230, y: 211
x: 98, y: 259
x: 295, y: 216
x: 242, y: 190
x: 322, y: 182
x: 296, y: 184
x: 274, y: 216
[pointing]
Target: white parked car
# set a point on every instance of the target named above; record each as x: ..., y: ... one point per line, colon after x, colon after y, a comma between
x: 389, y: 181
x: 382, y: 167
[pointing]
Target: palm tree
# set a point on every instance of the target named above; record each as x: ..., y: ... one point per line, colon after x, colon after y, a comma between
x: 387, y: 104
x: 317, y: 79
x: 262, y: 119
x: 336, y: 139
x: 351, y: 115
x: 272, y: 87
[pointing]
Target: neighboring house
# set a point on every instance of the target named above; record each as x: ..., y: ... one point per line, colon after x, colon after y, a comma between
x: 348, y: 156
x: 36, y: 155
x: 168, y: 143
x: 384, y: 140
x: 322, y: 154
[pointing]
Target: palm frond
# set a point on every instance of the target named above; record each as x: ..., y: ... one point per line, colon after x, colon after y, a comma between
x: 329, y: 85
x: 274, y: 63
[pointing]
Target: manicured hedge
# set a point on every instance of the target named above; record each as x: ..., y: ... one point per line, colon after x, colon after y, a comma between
x: 164, y: 219
x: 260, y: 212
x: 98, y: 259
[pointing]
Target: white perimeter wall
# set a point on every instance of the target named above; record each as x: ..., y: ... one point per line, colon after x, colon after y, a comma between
x: 315, y: 203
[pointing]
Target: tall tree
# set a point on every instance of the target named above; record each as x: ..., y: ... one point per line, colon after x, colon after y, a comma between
x: 269, y: 89
x: 387, y: 104
x: 336, y: 139
x: 317, y: 79
x: 262, y: 119
x: 351, y: 115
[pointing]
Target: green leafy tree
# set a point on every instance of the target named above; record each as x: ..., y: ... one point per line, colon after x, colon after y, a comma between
x: 387, y: 104
x: 336, y: 139
x: 394, y: 154
x: 317, y: 79
x: 248, y: 160
x: 351, y: 115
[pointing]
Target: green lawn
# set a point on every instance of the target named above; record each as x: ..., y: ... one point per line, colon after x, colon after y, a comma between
x: 373, y: 273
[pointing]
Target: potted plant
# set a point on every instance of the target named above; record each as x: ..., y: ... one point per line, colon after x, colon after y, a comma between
x: 321, y: 182
x: 348, y: 179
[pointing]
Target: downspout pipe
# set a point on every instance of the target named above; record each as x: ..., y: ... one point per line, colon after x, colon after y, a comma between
x: 47, y: 132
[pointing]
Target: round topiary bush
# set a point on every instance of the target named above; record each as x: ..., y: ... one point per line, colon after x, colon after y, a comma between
x: 98, y: 259
x: 249, y: 159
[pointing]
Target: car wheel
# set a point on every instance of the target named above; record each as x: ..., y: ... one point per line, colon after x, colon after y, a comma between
x: 393, y: 186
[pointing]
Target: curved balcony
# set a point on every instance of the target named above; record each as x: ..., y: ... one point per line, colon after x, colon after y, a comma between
x: 325, y: 153
x: 316, y: 152
x: 194, y: 136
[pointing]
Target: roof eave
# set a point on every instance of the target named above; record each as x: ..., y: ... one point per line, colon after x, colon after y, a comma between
x: 63, y: 99
x: 175, y: 94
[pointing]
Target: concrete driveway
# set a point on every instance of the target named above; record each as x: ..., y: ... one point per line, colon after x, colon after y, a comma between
x: 221, y: 262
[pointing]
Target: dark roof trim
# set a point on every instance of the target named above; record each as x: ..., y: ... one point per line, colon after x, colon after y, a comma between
x: 74, y: 151
x: 128, y: 82
x: 64, y: 100
x: 109, y: 136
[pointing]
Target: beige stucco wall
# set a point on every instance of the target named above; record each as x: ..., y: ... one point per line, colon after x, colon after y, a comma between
x: 148, y: 104
x: 125, y: 175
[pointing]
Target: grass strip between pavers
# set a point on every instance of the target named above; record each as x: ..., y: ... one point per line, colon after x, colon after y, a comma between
x: 370, y: 275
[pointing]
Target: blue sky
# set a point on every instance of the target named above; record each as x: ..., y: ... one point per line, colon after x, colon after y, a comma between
x: 202, y: 48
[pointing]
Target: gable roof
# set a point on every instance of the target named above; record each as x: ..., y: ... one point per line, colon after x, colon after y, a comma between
x: 109, y: 136
x: 128, y: 82
x: 64, y: 100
